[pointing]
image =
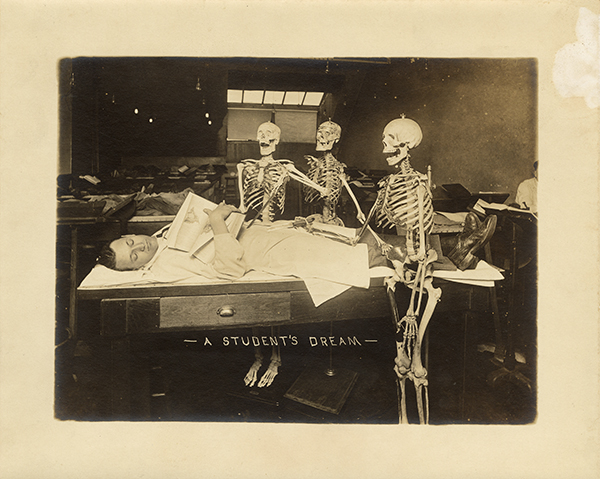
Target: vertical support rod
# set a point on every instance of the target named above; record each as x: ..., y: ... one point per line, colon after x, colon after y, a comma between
x: 499, y: 349
x: 330, y: 371
x: 464, y: 366
x: 73, y: 284
x: 509, y: 360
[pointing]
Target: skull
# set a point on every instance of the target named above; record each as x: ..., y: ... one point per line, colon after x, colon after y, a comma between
x: 399, y: 136
x: 328, y: 135
x: 268, y: 137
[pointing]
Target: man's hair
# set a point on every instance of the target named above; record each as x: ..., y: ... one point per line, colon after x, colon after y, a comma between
x: 108, y: 257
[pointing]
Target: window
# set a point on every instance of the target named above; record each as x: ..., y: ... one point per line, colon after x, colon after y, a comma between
x: 269, y: 97
x: 295, y: 112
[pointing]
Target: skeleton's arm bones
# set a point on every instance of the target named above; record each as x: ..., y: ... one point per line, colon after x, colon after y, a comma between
x: 366, y: 226
x: 360, y: 216
x: 240, y: 173
x: 297, y: 175
x: 420, y: 196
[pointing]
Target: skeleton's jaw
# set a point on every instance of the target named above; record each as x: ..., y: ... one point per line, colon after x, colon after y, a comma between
x: 324, y: 145
x: 395, y: 159
x: 267, y: 147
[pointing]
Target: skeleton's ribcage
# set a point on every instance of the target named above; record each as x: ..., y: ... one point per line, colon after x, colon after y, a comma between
x: 326, y: 172
x: 258, y: 181
x: 399, y: 202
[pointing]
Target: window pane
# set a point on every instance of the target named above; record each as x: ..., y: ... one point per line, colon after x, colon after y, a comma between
x: 293, y: 97
x: 242, y: 124
x: 253, y: 96
x: 313, y: 98
x: 297, y: 126
x: 234, y: 96
x: 273, y: 97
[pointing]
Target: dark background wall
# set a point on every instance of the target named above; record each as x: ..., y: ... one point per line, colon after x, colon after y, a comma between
x: 478, y: 119
x: 478, y: 116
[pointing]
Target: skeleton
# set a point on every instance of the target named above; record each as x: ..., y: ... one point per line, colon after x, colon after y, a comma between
x: 262, y: 182
x: 404, y: 201
x: 328, y: 172
x: 262, y: 185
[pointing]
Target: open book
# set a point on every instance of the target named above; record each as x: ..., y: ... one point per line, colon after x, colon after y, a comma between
x: 481, y: 206
x: 191, y: 231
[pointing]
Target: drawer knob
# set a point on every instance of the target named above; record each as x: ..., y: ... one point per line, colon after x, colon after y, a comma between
x: 226, y: 311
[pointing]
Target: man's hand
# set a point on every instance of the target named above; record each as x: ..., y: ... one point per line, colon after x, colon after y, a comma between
x: 218, y: 216
x: 222, y: 211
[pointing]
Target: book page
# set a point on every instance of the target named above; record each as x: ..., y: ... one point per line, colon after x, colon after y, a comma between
x: 190, y: 227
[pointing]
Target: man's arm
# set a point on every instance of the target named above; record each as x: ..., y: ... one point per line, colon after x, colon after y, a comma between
x: 218, y: 216
x: 228, y: 262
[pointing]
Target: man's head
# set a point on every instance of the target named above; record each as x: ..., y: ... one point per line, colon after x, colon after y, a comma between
x: 129, y: 252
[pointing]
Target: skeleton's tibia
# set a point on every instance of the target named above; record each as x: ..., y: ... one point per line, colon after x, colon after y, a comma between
x: 273, y: 369
x: 252, y: 374
x: 403, y: 415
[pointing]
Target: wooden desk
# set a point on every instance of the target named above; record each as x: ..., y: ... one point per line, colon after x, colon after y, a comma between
x: 148, y: 311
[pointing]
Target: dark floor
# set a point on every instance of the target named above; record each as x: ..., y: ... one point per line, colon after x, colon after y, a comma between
x: 178, y: 378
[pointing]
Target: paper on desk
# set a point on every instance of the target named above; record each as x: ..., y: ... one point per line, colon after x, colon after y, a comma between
x: 483, y: 284
x: 454, y: 217
x: 483, y: 272
x: 321, y: 290
x: 483, y: 275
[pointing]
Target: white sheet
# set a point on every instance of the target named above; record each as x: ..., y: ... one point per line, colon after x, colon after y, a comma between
x: 100, y: 277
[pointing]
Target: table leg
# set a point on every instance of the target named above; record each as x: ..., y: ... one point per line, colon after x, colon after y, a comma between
x: 120, y: 378
x: 510, y: 368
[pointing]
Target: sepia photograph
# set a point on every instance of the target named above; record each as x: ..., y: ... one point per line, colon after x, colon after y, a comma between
x: 383, y: 265
x: 299, y: 239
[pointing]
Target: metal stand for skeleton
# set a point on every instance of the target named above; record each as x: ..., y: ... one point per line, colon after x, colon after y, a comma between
x: 323, y: 388
x: 326, y: 389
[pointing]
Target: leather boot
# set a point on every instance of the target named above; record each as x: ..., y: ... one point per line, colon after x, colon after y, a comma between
x: 472, y: 222
x: 472, y: 240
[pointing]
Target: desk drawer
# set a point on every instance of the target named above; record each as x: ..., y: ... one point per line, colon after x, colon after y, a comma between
x: 224, y: 310
x: 218, y: 311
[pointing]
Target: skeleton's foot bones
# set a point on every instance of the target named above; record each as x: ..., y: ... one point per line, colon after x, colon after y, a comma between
x: 270, y: 373
x: 252, y: 374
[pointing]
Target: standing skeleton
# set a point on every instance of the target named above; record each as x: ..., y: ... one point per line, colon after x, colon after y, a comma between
x: 404, y: 200
x: 262, y: 184
x: 328, y: 172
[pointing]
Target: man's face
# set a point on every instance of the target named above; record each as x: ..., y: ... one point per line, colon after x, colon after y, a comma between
x: 134, y: 251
